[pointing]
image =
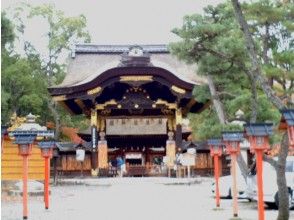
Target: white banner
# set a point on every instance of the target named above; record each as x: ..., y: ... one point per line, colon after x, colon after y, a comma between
x: 136, y: 126
x: 133, y: 156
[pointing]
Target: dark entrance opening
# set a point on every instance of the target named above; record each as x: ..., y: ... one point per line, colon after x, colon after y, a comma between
x: 134, y: 161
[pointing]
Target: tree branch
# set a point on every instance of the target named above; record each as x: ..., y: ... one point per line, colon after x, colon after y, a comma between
x: 255, y: 66
x: 271, y: 161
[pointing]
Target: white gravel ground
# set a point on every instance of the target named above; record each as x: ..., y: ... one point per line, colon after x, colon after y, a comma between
x: 133, y: 199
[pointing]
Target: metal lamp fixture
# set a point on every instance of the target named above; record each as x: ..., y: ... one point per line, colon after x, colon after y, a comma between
x: 232, y: 140
x: 258, y: 135
x: 287, y: 122
x: 215, y: 146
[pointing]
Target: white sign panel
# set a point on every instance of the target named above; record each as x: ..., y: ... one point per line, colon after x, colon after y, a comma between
x: 133, y: 156
x: 188, y: 159
x: 165, y: 159
x: 80, y: 155
x: 191, y: 151
x: 136, y: 126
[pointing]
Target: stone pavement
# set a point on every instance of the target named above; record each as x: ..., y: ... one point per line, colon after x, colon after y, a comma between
x: 133, y: 199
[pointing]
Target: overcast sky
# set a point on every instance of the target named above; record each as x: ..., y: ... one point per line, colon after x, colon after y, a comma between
x: 117, y: 21
x: 127, y: 21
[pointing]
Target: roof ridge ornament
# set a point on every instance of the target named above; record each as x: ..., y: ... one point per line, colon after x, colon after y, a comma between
x: 135, y: 56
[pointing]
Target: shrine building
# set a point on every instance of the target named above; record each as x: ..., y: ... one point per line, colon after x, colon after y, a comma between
x: 136, y: 97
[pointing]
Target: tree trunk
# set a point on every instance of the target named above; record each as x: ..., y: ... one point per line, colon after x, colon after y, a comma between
x: 52, y: 107
x: 222, y: 119
x: 216, y: 101
x: 243, y: 166
x: 281, y: 180
x: 265, y: 49
x: 270, y: 93
x: 254, y: 104
x: 276, y: 101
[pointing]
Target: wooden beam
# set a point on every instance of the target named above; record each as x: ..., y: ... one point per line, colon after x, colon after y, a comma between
x: 187, y: 108
x: 64, y: 105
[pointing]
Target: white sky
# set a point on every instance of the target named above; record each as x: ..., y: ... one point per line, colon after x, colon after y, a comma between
x: 128, y: 21
x: 120, y: 21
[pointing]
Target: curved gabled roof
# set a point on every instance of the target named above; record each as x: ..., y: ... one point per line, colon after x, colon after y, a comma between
x: 89, y: 61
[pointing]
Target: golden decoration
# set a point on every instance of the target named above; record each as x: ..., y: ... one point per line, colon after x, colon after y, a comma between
x: 102, y: 124
x: 170, y: 123
x: 136, y: 78
x: 178, y: 90
x: 16, y: 122
x: 102, y: 106
x: 169, y: 105
x: 94, y: 91
x: 94, y: 117
x: 179, y: 117
x: 59, y: 98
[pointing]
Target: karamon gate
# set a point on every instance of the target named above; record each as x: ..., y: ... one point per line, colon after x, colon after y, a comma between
x: 135, y: 96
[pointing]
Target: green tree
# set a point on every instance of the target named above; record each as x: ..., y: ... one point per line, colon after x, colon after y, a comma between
x: 22, y: 87
x: 7, y: 33
x: 279, y: 14
x: 215, y: 42
x: 62, y: 32
x: 25, y: 79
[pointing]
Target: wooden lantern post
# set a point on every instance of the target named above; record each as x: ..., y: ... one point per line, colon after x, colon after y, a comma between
x: 216, y: 148
x: 258, y: 135
x: 47, y: 153
x: 287, y: 123
x: 24, y: 141
x: 232, y: 142
x: 25, y: 135
x: 170, y: 152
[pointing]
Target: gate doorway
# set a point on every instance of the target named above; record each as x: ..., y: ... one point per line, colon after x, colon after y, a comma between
x: 134, y: 158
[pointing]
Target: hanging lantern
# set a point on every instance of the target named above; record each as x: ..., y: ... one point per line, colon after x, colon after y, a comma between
x: 24, y: 142
x: 46, y: 148
x: 232, y: 140
x: 258, y: 135
x: 215, y: 146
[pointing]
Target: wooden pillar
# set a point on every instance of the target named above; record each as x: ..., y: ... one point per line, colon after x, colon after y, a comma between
x: 94, y: 138
x: 102, y: 151
x: 220, y: 165
x: 178, y: 128
x: 170, y: 151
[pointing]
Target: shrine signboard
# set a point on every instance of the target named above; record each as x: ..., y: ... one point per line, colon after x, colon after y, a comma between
x: 136, y: 126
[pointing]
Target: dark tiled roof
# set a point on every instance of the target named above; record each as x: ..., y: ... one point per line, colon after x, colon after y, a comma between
x: 199, y: 145
x: 232, y: 136
x: 32, y: 132
x: 92, y: 48
x: 24, y: 139
x: 259, y: 129
x: 216, y: 142
x: 288, y: 115
x: 71, y: 147
x: 46, y: 144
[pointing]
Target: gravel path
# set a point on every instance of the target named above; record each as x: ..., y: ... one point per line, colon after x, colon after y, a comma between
x: 132, y: 199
